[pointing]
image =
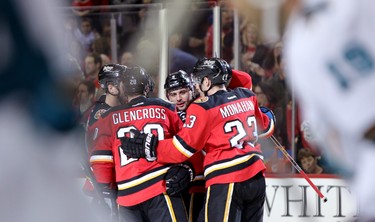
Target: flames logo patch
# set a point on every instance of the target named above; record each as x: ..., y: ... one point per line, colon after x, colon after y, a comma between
x: 201, y: 99
x: 99, y: 113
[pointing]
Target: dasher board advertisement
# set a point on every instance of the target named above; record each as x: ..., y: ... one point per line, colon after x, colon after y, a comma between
x: 291, y: 199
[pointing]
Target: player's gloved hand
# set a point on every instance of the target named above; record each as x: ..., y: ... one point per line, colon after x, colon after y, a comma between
x: 271, y: 125
x: 108, y: 192
x: 178, y: 178
x: 182, y: 115
x: 103, y: 191
x: 269, y: 113
x: 142, y: 145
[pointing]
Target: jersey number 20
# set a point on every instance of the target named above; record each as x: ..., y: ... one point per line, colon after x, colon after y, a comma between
x: 125, y: 131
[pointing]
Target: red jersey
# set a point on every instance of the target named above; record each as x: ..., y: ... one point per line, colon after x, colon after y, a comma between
x: 91, y: 132
x: 98, y: 109
x: 137, y: 179
x: 86, y: 3
x: 197, y: 185
x: 240, y: 79
x: 226, y: 126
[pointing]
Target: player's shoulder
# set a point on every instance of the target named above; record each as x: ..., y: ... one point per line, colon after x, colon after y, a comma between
x: 97, y: 111
x: 243, y: 92
x: 161, y: 102
x: 142, y: 102
x: 212, y: 101
x: 201, y: 99
x: 109, y: 111
x: 199, y: 104
x: 222, y: 97
x: 203, y: 102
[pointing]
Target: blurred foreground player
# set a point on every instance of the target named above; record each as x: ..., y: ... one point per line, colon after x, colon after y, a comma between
x: 342, y: 64
x: 38, y: 150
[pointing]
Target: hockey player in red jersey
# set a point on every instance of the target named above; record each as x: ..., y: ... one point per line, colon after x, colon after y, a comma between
x: 225, y: 124
x: 140, y: 182
x: 179, y: 90
x: 109, y: 78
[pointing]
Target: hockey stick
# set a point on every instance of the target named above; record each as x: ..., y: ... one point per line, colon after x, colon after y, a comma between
x: 298, y: 168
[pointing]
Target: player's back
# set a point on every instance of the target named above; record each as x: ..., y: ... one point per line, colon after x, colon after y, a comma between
x: 138, y: 179
x: 233, y: 118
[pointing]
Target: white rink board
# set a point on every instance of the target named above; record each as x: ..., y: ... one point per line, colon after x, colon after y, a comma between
x: 292, y: 199
x: 285, y: 200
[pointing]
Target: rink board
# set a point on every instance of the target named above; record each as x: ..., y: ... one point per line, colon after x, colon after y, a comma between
x: 291, y: 198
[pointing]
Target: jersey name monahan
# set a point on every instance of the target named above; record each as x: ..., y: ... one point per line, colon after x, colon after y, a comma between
x: 236, y: 108
x: 140, y: 114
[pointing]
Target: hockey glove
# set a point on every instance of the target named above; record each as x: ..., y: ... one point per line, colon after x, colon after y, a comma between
x: 103, y: 192
x: 182, y: 115
x: 269, y: 113
x: 178, y: 178
x: 142, y: 145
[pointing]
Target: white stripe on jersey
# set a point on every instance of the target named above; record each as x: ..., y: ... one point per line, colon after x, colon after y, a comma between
x: 181, y: 148
x: 143, y: 179
x: 101, y: 158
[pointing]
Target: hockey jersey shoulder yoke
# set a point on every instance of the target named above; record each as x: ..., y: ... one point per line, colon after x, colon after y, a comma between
x: 143, y: 101
x: 221, y: 97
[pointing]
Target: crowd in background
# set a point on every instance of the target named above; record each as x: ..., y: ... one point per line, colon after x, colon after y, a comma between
x: 88, y: 38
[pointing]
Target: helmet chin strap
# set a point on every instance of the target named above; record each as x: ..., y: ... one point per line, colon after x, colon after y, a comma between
x: 117, y: 95
x: 206, y: 92
x: 113, y: 93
